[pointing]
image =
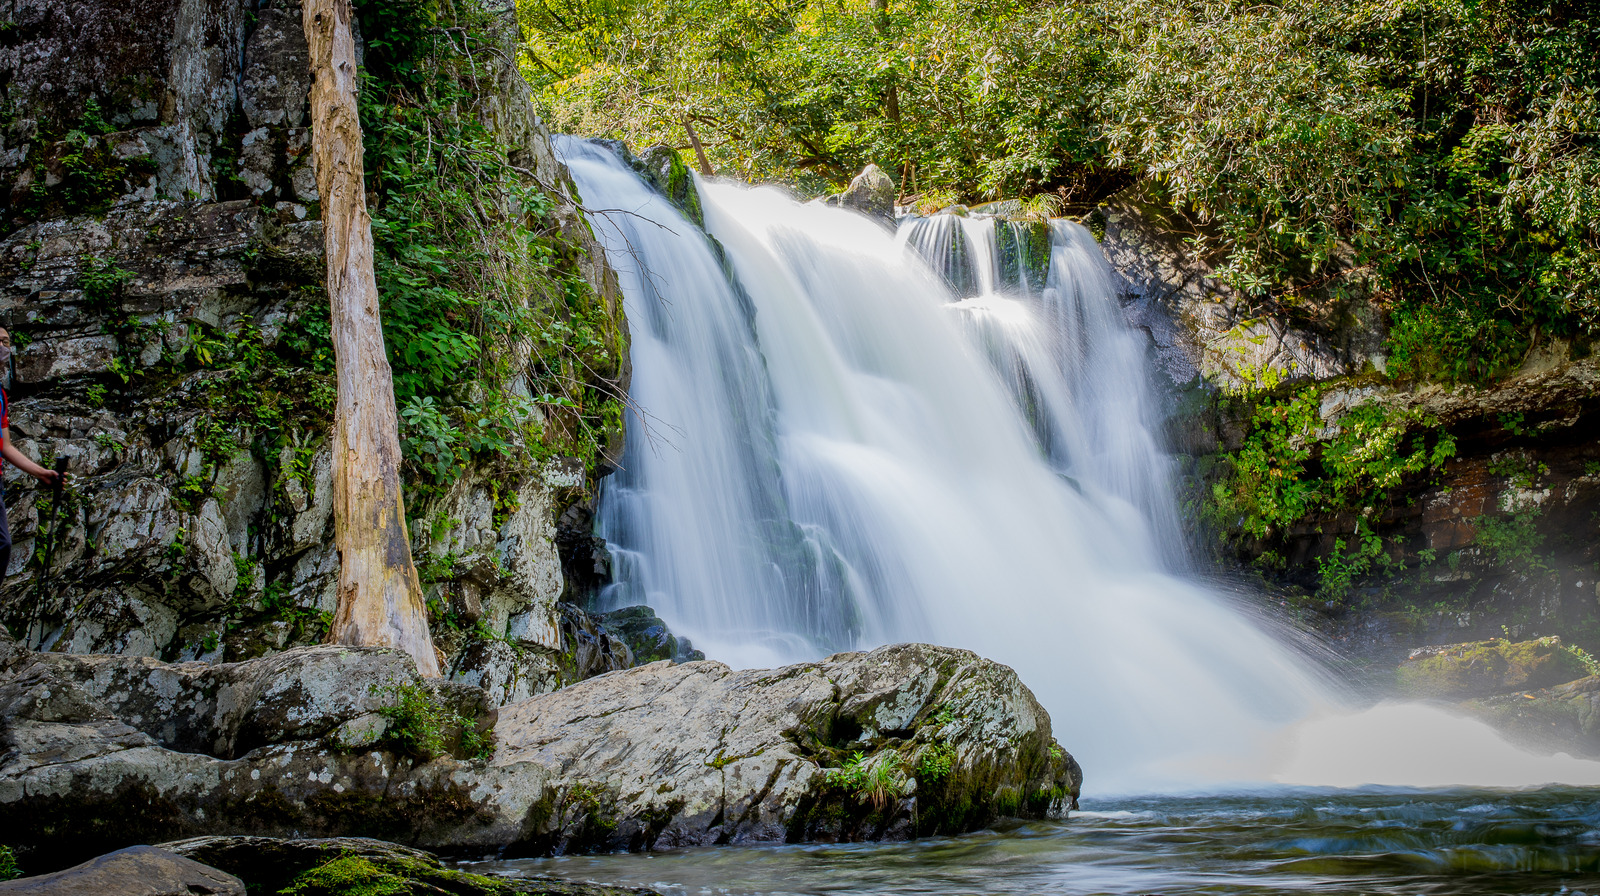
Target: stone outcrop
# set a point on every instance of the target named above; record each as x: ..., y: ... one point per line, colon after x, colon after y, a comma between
x: 135, y: 871
x: 905, y: 739
x: 98, y: 752
x: 1204, y: 327
x: 159, y: 205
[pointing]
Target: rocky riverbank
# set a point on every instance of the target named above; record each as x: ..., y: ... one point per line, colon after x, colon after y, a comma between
x: 105, y: 751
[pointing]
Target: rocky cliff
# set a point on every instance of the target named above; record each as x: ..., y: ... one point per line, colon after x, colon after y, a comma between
x: 1387, y: 513
x: 160, y: 265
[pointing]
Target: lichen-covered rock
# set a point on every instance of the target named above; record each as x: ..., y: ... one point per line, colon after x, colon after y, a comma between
x: 99, y: 752
x: 135, y: 871
x: 1487, y: 668
x: 903, y: 740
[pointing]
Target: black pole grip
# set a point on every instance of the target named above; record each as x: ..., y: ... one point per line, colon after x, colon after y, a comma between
x: 61, y: 475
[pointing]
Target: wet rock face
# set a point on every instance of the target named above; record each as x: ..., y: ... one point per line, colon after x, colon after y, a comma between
x: 1204, y: 327
x: 97, y: 752
x: 1564, y: 718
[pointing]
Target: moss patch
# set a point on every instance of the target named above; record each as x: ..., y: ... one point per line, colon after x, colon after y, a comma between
x: 1484, y: 668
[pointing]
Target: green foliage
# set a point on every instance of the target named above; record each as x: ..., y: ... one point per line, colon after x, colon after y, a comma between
x: 1294, y: 464
x: 9, y: 870
x: 935, y: 763
x: 471, y: 265
x: 878, y: 779
x: 1338, y: 572
x: 1513, y: 540
x: 78, y: 171
x: 425, y: 727
x: 101, y: 281
x: 1438, y: 154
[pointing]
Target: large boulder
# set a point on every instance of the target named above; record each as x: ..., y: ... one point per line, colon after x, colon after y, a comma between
x: 904, y: 740
x: 100, y: 752
x: 135, y: 871
x: 872, y: 193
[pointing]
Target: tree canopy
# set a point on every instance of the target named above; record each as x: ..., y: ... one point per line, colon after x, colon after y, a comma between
x: 1445, y: 150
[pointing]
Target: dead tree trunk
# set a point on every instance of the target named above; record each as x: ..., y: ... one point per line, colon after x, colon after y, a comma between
x: 380, y: 599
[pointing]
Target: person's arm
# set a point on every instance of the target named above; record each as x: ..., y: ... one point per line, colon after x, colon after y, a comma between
x: 22, y: 461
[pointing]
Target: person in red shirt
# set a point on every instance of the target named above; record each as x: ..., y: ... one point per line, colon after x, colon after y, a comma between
x: 10, y: 453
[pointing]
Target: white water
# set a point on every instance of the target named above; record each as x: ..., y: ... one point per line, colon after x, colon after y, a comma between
x: 836, y: 452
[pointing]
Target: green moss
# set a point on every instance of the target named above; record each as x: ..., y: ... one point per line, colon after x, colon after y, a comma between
x: 1492, y: 667
x: 352, y: 875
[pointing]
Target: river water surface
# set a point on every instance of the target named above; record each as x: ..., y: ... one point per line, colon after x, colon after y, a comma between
x: 1458, y: 842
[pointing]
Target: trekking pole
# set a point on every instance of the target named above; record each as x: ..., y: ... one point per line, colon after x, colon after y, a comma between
x: 53, y: 531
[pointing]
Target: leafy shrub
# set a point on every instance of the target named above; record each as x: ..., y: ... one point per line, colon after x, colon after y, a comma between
x: 473, y: 270
x: 1293, y: 464
x: 1513, y: 540
x: 935, y: 763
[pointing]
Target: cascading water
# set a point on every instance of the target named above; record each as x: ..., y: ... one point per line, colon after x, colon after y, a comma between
x: 834, y: 446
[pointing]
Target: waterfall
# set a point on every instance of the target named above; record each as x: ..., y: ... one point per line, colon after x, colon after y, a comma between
x: 834, y: 444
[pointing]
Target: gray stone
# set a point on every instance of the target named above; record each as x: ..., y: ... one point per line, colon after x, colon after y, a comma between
x: 181, y: 544
x: 135, y: 871
x: 506, y: 671
x: 1203, y: 327
x: 872, y: 193
x: 697, y: 754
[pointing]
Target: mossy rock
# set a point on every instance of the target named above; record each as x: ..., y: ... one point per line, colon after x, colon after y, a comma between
x: 1563, y: 718
x: 357, y: 866
x: 664, y: 169
x: 1487, y: 668
x: 1022, y: 249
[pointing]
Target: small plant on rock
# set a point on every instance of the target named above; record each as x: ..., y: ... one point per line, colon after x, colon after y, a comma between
x: 934, y: 765
x: 877, y: 779
x: 8, y: 864
x: 424, y: 726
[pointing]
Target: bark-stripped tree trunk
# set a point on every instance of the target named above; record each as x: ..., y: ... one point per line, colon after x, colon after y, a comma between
x: 380, y: 599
